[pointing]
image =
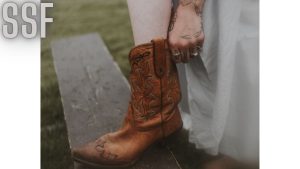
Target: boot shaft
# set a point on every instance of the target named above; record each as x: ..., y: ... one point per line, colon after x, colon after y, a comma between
x: 154, y: 85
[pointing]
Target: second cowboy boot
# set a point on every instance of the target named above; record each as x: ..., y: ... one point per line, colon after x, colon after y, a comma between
x: 152, y: 112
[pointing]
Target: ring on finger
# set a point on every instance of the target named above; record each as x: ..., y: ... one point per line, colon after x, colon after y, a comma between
x: 194, y: 52
x: 175, y: 52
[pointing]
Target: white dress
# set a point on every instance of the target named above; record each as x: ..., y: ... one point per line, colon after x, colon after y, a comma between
x: 220, y: 104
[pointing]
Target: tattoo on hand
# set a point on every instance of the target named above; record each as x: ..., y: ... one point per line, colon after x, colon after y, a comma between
x: 198, y: 5
x: 188, y: 37
x: 197, y: 34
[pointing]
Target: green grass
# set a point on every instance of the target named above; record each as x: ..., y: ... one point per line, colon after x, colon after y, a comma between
x: 76, y: 17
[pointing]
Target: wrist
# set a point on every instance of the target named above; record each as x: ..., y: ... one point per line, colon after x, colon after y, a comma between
x: 190, y: 5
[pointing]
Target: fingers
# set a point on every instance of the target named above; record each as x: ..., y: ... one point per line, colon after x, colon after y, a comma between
x: 180, y: 55
x: 184, y: 50
x: 185, y: 55
x: 176, y: 55
x: 194, y: 52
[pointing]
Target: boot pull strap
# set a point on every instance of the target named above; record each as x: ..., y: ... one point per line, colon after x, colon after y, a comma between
x: 159, y: 50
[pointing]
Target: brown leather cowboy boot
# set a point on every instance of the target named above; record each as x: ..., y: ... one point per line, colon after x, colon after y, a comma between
x: 152, y: 112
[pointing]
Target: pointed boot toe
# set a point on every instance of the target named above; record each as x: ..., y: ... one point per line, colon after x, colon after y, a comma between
x: 81, y: 155
x: 78, y: 153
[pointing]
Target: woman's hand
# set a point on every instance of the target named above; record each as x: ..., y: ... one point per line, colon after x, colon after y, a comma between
x: 186, y: 35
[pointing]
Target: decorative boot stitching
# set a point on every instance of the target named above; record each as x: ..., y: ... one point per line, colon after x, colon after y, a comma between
x: 103, y: 153
x: 142, y: 86
x: 173, y: 94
